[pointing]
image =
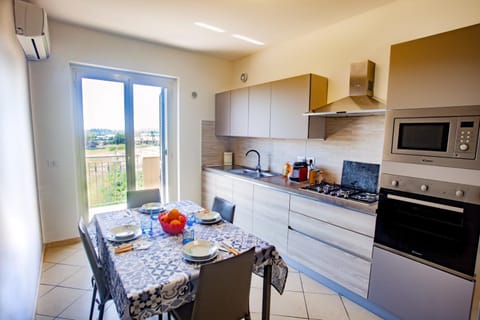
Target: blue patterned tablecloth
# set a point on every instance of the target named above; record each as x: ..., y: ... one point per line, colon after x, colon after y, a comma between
x: 156, y: 280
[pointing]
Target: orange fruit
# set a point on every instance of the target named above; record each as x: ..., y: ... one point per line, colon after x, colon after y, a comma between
x: 175, y: 223
x: 182, y: 218
x: 173, y: 214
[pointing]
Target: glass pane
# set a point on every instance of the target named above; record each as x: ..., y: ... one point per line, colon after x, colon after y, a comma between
x: 104, y: 129
x: 147, y: 136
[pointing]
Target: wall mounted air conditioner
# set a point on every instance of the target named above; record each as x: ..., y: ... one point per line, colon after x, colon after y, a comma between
x: 32, y: 30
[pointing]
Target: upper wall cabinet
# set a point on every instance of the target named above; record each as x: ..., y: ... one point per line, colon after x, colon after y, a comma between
x: 290, y: 99
x: 273, y: 109
x: 239, y: 112
x: 259, y: 98
x: 222, y: 114
x: 436, y: 71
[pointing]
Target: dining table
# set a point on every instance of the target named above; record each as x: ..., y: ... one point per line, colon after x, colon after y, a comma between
x: 155, y: 278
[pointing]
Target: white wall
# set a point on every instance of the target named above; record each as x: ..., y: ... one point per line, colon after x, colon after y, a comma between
x: 53, y: 119
x: 329, y: 52
x: 20, y: 234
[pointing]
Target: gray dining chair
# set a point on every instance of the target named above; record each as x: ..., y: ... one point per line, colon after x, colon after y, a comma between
x: 225, y: 208
x: 223, y: 290
x: 99, y: 281
x: 137, y: 198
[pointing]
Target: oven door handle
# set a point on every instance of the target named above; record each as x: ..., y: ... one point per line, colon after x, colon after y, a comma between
x: 425, y: 203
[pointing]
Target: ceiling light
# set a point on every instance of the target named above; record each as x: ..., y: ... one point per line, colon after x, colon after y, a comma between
x: 247, y: 39
x: 209, y: 27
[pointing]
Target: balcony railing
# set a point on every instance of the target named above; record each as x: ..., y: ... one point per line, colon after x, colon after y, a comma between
x: 107, y: 177
x: 106, y: 180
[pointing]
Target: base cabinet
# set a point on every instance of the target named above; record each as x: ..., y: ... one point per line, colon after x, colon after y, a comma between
x: 243, y: 199
x: 333, y: 241
x: 270, y: 214
x: 215, y: 185
x: 412, y: 290
x: 208, y: 188
x: 346, y: 269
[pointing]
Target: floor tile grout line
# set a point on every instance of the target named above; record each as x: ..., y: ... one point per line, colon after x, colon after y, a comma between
x: 345, y: 307
x: 303, y: 293
x: 70, y: 305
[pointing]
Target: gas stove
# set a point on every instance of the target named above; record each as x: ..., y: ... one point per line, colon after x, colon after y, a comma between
x: 336, y: 190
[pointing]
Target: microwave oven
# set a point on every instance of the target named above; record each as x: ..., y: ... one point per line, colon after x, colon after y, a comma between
x: 447, y: 136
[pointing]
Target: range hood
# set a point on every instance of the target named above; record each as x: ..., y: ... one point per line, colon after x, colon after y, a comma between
x: 360, y: 102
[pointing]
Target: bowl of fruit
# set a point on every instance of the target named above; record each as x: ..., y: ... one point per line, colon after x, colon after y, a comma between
x: 173, y: 221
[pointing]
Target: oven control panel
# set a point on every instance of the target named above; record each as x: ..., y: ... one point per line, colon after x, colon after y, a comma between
x: 433, y: 188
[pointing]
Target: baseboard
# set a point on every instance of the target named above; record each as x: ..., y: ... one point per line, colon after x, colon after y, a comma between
x: 61, y: 243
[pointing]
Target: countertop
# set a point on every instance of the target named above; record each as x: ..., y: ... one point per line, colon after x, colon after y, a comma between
x: 282, y: 183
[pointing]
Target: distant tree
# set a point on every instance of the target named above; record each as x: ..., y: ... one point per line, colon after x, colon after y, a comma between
x: 91, y: 142
x: 119, y: 138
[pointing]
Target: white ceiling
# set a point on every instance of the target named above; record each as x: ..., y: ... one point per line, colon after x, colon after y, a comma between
x: 171, y: 22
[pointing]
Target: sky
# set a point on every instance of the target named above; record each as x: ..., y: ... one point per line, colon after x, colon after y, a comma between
x: 103, y: 105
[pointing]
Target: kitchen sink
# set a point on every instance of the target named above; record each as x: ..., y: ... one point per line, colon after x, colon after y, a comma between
x: 252, y: 173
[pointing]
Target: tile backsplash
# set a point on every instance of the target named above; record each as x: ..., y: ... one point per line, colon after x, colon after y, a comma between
x: 351, y: 138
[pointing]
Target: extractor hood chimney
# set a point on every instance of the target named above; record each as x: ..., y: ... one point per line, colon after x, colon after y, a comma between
x: 360, y: 102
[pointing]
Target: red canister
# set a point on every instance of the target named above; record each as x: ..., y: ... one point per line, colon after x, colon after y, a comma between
x: 299, y: 171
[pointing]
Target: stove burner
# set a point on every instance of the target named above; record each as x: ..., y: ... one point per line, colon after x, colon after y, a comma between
x: 322, y: 187
x: 336, y: 190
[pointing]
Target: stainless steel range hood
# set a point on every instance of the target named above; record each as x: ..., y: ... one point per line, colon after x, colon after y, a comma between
x: 360, y: 102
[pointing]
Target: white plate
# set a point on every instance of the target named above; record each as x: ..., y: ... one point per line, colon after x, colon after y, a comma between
x: 207, y: 216
x: 125, y: 232
x: 199, y: 249
x: 154, y: 207
x: 210, y: 221
x: 190, y: 259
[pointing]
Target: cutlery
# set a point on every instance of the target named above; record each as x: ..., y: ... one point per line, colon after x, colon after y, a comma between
x: 141, y: 245
x: 229, y: 248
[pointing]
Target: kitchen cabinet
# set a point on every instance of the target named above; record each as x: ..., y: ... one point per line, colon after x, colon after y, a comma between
x: 437, y: 71
x: 420, y: 291
x: 215, y: 185
x: 239, y: 111
x: 243, y: 198
x: 270, y: 216
x: 274, y: 109
x: 259, y: 97
x: 222, y: 114
x: 208, y: 188
x: 290, y: 99
x: 333, y: 241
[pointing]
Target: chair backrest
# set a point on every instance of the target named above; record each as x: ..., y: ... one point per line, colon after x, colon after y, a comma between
x: 95, y: 264
x: 137, y: 198
x: 224, y: 288
x: 225, y: 208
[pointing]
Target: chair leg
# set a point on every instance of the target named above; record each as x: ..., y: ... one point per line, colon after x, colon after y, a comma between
x: 93, y: 301
x: 101, y: 309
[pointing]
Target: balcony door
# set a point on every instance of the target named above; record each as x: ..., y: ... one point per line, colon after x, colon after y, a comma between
x: 123, y: 123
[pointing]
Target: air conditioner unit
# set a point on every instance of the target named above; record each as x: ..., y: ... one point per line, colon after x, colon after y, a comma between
x: 32, y: 30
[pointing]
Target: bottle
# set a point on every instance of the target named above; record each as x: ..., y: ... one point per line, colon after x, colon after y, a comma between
x: 188, y: 233
x: 312, y: 174
x: 286, y: 169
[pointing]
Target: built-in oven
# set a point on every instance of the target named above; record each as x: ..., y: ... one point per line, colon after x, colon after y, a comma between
x: 425, y: 248
x: 439, y: 231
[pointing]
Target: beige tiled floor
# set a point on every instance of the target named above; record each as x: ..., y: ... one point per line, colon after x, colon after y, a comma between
x: 65, y: 293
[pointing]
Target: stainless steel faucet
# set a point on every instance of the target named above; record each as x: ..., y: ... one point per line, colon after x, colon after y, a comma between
x: 258, y: 168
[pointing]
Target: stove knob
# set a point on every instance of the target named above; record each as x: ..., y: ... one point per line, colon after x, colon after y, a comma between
x: 459, y: 193
x: 424, y: 187
x: 394, y: 183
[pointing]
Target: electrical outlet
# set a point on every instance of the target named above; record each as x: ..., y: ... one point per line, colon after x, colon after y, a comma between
x: 310, y: 158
